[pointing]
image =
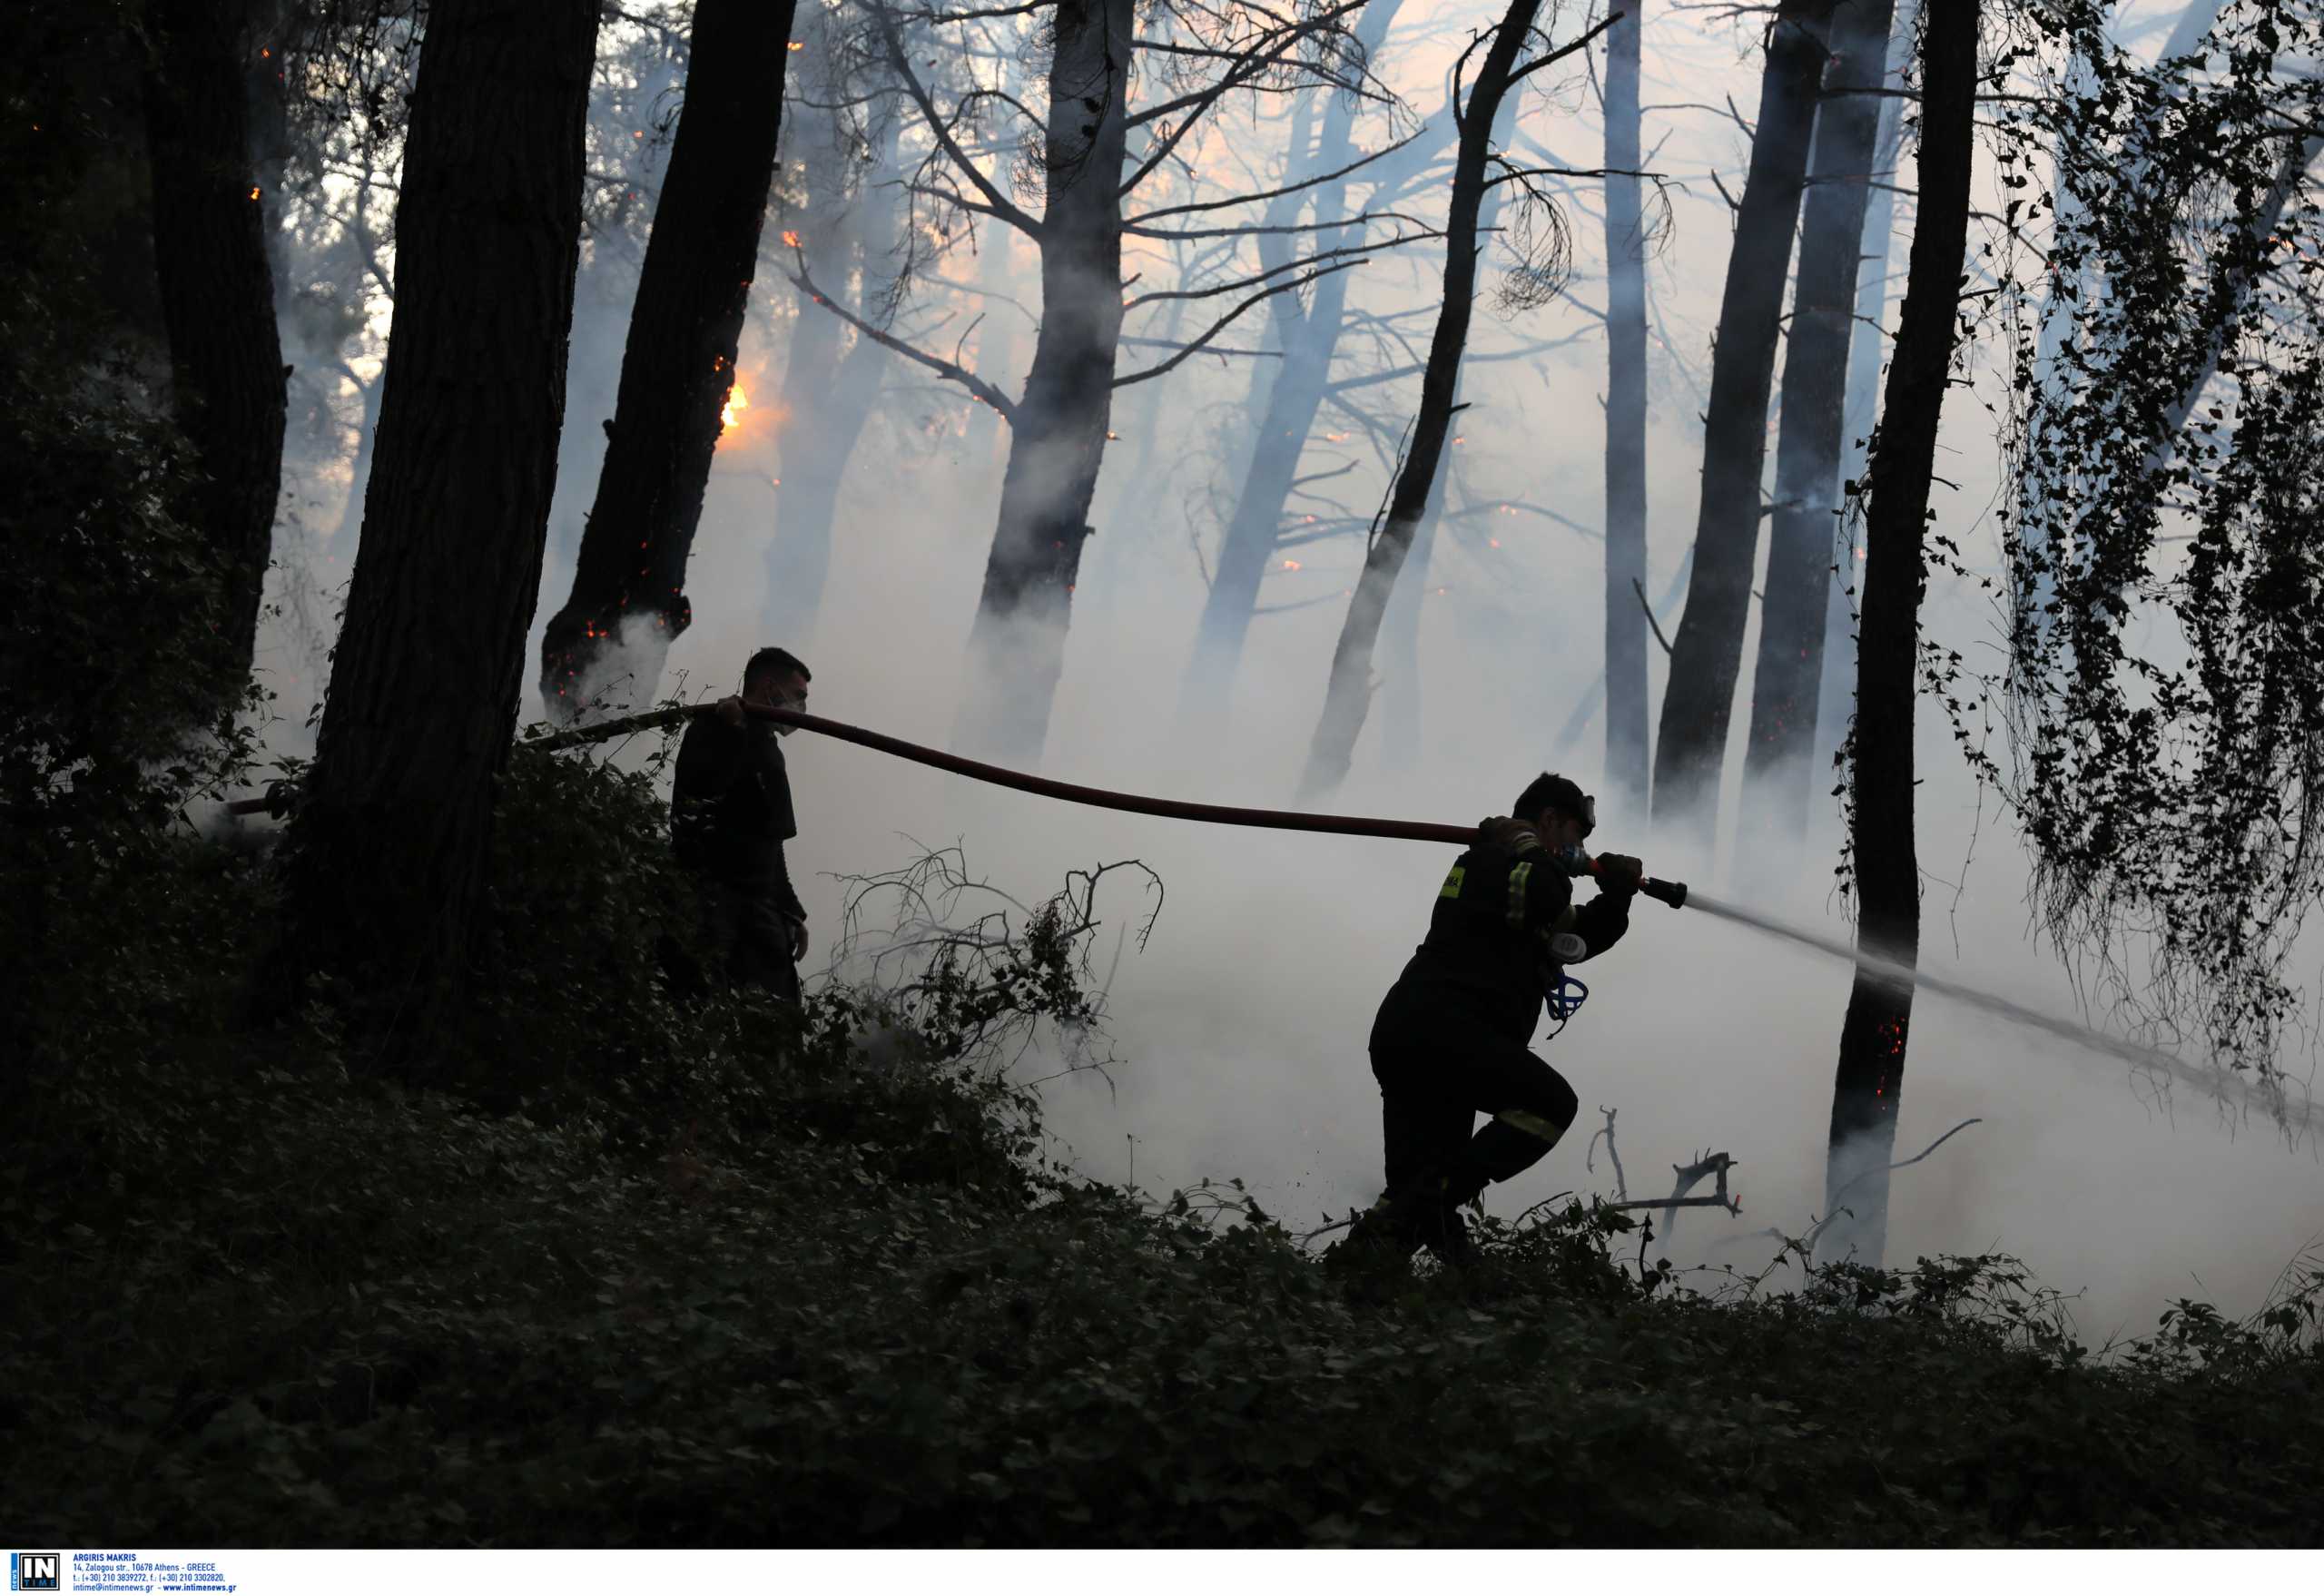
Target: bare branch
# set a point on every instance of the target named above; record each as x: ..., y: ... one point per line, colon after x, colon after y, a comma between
x: 1221, y: 325
x: 950, y: 369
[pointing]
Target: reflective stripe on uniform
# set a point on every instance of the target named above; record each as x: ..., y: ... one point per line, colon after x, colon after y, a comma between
x: 1531, y: 1124
x: 1518, y: 877
x: 1451, y: 887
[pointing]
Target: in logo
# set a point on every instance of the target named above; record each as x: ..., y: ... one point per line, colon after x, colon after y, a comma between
x: 34, y: 1571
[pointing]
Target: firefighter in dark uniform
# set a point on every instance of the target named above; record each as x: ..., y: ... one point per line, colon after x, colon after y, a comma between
x: 1451, y: 1040
x: 730, y: 816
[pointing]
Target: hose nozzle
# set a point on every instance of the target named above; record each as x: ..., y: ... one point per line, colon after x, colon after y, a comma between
x: 1671, y: 892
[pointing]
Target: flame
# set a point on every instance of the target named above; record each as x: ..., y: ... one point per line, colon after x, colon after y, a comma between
x: 737, y: 401
x: 254, y: 192
x: 1291, y: 564
x: 795, y: 44
x: 791, y: 238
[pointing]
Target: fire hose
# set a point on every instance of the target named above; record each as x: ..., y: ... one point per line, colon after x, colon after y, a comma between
x: 1671, y: 892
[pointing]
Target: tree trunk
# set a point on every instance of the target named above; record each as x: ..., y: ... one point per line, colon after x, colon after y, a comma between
x: 1626, y: 715
x: 1348, y: 692
x: 1706, y: 654
x: 394, y: 824
x: 1789, y: 673
x: 604, y: 651
x: 1867, y: 357
x: 1057, y: 439
x: 1292, y: 397
x: 827, y: 397
x: 217, y: 293
x: 1870, y: 1078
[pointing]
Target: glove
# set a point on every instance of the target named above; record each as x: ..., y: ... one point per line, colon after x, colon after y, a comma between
x: 1619, y: 872
x: 1503, y: 834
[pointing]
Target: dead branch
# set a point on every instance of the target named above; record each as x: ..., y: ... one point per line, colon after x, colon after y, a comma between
x: 1638, y: 587
x: 949, y: 369
x: 1621, y: 1185
x: 1221, y: 325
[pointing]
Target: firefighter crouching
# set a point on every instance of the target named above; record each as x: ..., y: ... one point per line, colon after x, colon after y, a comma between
x: 730, y: 816
x: 1451, y: 1038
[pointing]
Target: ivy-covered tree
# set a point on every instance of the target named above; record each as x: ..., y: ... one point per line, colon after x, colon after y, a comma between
x: 2165, y: 710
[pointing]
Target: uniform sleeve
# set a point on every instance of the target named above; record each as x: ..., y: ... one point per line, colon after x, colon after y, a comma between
x: 786, y: 896
x: 1539, y: 892
x: 705, y: 769
x: 1600, y: 923
x: 772, y: 778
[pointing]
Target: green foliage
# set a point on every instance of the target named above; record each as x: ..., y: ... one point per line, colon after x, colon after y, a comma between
x: 627, y: 1272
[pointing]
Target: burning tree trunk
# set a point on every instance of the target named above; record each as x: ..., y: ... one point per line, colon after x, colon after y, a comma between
x: 217, y: 293
x: 1058, y: 434
x: 608, y: 645
x: 1870, y: 1078
x: 827, y: 399
x: 1789, y: 673
x: 1706, y: 654
x: 1626, y: 717
x: 1348, y: 694
x: 391, y: 837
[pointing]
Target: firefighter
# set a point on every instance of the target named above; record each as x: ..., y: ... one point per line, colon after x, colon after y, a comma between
x: 1451, y: 1040
x: 730, y: 816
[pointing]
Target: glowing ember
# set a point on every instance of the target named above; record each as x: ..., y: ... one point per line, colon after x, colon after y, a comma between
x: 791, y: 238
x: 737, y: 401
x: 1291, y: 564
x: 253, y: 193
x: 795, y: 44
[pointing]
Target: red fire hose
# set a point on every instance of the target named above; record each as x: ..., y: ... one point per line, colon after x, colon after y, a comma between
x: 1671, y: 892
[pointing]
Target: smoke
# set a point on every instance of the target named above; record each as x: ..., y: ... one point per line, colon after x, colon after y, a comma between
x: 1243, y: 1021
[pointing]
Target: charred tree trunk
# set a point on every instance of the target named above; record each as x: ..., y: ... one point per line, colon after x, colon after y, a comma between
x: 1057, y: 437
x: 1706, y: 654
x: 827, y: 399
x: 1789, y: 670
x: 1626, y: 716
x: 390, y: 842
x: 217, y: 293
x: 1870, y: 1078
x: 604, y: 649
x: 1348, y: 694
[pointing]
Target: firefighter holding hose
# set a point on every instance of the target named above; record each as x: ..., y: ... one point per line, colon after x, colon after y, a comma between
x: 730, y: 816
x: 1451, y: 1040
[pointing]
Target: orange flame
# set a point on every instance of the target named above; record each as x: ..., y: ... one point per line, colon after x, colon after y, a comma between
x: 737, y: 401
x: 791, y: 238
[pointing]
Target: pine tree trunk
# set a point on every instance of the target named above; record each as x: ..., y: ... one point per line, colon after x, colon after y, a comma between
x: 603, y: 651
x: 1777, y: 768
x: 1626, y: 710
x: 827, y: 397
x: 1057, y: 439
x: 217, y: 293
x: 1347, y: 694
x: 1870, y: 1078
x: 1707, y: 653
x: 391, y: 839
